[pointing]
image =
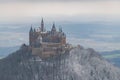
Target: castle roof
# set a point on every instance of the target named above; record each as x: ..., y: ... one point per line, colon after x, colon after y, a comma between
x: 31, y: 29
x: 53, y: 28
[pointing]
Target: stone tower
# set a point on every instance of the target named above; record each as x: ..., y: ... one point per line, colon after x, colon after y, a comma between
x: 42, y: 25
x: 31, y: 36
x: 53, y: 28
x: 63, y: 40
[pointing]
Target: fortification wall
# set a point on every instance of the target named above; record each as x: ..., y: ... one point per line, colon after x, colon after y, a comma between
x: 43, y: 52
x: 48, y: 53
x: 45, y: 44
x: 37, y: 51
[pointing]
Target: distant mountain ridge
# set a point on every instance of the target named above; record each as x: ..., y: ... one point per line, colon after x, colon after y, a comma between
x: 79, y: 64
x: 111, y: 52
x: 5, y: 51
x: 112, y: 56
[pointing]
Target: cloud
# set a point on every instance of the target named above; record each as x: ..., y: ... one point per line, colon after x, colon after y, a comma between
x: 8, y: 39
x: 104, y: 36
x: 96, y: 41
x: 112, y: 56
x: 16, y: 39
x: 20, y: 11
x: 52, y: 0
x: 97, y: 45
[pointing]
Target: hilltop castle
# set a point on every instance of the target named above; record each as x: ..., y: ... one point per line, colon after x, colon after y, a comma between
x: 46, y: 43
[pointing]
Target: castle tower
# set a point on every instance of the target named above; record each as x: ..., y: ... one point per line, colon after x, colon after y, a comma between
x: 42, y: 25
x: 53, y: 28
x: 31, y: 36
x: 63, y: 40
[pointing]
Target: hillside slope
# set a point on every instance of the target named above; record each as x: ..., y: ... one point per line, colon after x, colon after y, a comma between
x: 78, y: 64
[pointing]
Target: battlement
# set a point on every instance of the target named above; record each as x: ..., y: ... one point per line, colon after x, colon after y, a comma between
x: 46, y: 43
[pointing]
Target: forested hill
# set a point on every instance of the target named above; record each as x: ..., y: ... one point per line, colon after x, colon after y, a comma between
x: 78, y: 64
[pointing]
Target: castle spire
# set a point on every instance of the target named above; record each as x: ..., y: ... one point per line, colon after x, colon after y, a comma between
x: 31, y: 29
x: 53, y: 28
x: 31, y: 36
x: 42, y: 25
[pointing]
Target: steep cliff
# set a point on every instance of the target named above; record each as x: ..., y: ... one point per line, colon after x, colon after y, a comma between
x: 78, y: 64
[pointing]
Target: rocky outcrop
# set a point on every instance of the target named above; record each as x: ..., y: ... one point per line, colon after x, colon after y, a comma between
x: 78, y: 64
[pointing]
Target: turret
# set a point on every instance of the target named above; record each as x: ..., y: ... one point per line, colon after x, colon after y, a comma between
x: 63, y: 40
x: 53, y: 28
x: 31, y: 30
x: 31, y: 36
x: 42, y: 25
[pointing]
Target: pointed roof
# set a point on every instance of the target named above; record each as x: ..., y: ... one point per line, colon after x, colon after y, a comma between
x: 42, y: 21
x: 53, y: 28
x: 31, y: 29
x: 42, y: 25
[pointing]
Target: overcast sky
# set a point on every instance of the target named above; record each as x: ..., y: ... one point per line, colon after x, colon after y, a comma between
x: 22, y: 9
x: 97, y: 36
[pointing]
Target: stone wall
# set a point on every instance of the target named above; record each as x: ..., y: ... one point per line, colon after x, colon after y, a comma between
x: 37, y: 51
